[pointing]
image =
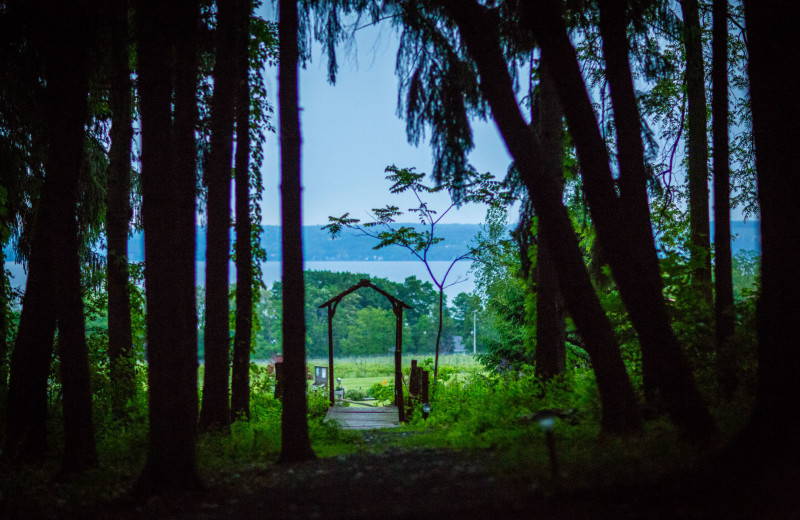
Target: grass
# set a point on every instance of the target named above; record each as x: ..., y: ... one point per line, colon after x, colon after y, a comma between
x: 383, y: 366
x: 362, y: 383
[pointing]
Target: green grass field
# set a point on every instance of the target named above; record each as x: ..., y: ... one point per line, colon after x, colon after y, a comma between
x: 361, y: 373
x: 383, y: 366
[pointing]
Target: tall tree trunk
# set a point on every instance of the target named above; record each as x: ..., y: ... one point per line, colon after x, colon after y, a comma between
x: 295, y: 441
x: 776, y: 129
x: 480, y: 34
x: 68, y: 89
x: 622, y: 222
x: 550, y: 355
x: 4, y: 310
x: 168, y: 213
x: 698, y: 150
x: 723, y: 279
x: 118, y: 214
x: 240, y: 385
x: 764, y: 459
x: 215, y: 410
x: 65, y: 49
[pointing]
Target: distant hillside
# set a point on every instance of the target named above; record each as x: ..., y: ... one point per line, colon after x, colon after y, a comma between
x: 318, y: 246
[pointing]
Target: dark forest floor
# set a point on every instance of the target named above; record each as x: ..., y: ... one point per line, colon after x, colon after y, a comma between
x: 414, y: 483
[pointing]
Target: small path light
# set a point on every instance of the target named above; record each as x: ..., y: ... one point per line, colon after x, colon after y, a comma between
x: 547, y: 421
x: 426, y: 409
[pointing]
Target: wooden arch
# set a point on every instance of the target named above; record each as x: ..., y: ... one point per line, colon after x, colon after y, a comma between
x: 397, y: 308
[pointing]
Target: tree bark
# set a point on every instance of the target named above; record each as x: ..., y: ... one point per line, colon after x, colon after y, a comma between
x: 698, y: 150
x: 65, y: 45
x: 776, y: 129
x: 550, y: 355
x: 119, y: 213
x: 215, y: 410
x: 723, y: 278
x: 480, y: 35
x: 438, y: 337
x: 168, y: 213
x: 763, y: 460
x: 622, y: 222
x: 240, y: 385
x: 295, y: 441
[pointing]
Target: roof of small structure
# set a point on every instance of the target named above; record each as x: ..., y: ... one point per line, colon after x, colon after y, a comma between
x: 366, y: 282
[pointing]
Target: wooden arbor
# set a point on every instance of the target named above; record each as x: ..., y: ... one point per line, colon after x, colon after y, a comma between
x: 397, y: 307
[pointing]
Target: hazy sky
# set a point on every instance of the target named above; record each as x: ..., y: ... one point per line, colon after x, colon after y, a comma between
x: 351, y: 133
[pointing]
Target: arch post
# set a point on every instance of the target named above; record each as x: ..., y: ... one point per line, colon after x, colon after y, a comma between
x: 397, y: 307
x: 331, y: 312
x: 398, y: 362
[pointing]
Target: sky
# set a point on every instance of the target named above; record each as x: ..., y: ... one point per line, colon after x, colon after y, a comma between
x: 351, y: 133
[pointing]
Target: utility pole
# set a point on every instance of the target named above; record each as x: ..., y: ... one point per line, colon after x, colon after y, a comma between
x: 474, y: 332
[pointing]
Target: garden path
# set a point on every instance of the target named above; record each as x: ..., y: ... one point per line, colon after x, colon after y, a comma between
x: 356, y: 418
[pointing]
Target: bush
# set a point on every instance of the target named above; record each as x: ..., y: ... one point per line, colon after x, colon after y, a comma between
x: 355, y: 394
x: 383, y: 391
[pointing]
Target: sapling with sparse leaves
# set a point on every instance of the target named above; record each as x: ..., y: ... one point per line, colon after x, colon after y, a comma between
x: 473, y: 188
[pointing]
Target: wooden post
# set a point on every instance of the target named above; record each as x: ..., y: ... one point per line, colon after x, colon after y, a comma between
x: 413, y: 380
x: 398, y: 360
x: 330, y: 351
x: 425, y: 394
x: 279, y: 380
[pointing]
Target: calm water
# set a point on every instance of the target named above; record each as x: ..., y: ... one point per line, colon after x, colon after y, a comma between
x: 394, y: 271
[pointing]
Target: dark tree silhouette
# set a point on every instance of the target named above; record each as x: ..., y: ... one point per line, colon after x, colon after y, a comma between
x: 118, y: 210
x: 240, y: 383
x: 698, y: 149
x: 168, y: 213
x: 295, y: 441
x: 479, y: 32
x: 622, y: 221
x: 65, y: 39
x: 723, y: 282
x: 550, y: 355
x: 776, y: 128
x: 215, y: 410
x: 763, y: 461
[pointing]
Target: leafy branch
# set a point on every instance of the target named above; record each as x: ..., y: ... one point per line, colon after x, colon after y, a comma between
x: 383, y: 226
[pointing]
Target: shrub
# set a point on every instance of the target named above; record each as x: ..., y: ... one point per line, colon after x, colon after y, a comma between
x: 383, y: 391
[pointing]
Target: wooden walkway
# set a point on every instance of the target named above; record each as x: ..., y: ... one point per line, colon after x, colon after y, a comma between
x: 357, y: 418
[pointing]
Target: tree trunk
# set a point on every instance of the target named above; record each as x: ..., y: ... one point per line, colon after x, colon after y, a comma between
x: 51, y: 278
x: 764, y: 459
x: 723, y: 279
x: 550, y: 355
x: 620, y: 409
x: 698, y: 150
x: 4, y: 314
x: 776, y: 129
x: 295, y: 441
x: 438, y: 338
x: 240, y: 385
x: 168, y: 213
x: 118, y: 215
x: 68, y: 43
x: 622, y: 222
x: 215, y: 410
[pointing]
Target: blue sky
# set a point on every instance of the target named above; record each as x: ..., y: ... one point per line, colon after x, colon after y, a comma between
x: 351, y: 133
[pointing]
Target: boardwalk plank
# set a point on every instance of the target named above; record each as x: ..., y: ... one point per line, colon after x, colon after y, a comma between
x: 351, y: 418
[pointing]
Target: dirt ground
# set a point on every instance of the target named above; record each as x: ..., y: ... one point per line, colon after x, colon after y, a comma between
x: 417, y: 483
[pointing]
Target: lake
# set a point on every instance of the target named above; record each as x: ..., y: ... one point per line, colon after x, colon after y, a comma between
x: 396, y: 271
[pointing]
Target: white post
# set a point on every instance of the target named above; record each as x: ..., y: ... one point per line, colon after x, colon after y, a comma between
x: 474, y: 331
